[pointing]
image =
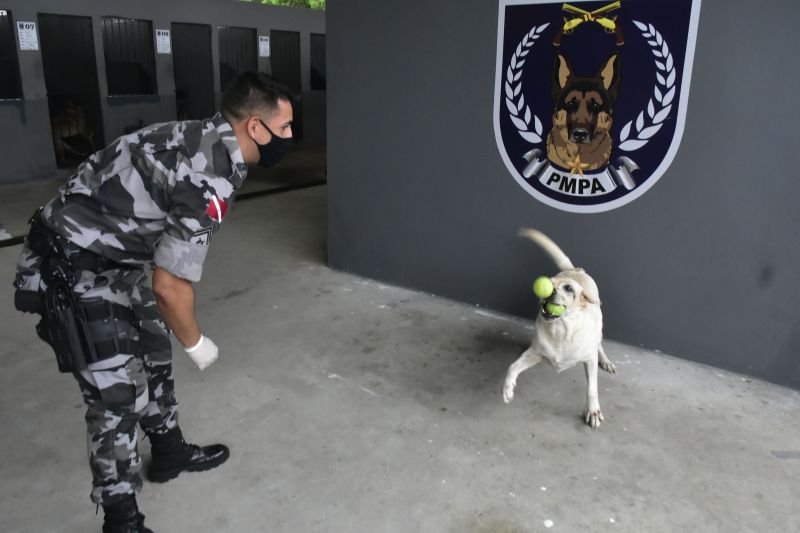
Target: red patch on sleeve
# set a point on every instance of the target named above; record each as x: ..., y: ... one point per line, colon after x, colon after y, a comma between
x: 216, y: 209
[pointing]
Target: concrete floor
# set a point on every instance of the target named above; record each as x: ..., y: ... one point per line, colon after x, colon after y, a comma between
x: 351, y: 406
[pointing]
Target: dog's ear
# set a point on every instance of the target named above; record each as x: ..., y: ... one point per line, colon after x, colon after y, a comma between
x: 609, y: 75
x: 590, y: 293
x: 561, y: 75
x: 590, y: 296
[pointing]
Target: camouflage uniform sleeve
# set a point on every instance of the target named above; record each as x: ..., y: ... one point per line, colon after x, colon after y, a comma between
x: 197, y: 205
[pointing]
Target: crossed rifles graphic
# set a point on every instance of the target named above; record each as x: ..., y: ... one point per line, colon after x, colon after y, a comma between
x: 598, y: 15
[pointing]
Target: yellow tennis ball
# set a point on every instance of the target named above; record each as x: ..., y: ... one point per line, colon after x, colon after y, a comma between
x: 543, y: 287
x: 554, y: 309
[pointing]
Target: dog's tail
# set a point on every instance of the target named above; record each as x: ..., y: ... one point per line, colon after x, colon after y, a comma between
x: 552, y: 249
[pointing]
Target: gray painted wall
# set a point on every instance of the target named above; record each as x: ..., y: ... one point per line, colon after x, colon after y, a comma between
x: 26, y: 148
x: 704, y: 265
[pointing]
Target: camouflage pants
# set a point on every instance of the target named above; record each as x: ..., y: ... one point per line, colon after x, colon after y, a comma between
x: 125, y: 390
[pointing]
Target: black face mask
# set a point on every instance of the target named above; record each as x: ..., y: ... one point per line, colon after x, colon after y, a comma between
x: 274, y: 150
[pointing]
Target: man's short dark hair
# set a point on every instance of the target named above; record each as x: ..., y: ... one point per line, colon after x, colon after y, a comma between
x: 253, y: 92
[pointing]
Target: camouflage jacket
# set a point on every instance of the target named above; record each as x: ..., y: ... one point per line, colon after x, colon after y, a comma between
x: 154, y: 197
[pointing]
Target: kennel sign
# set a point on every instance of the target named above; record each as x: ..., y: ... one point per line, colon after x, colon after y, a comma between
x: 163, y: 42
x: 591, y: 96
x: 27, y: 35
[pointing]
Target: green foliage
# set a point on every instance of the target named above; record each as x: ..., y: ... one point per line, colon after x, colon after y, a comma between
x: 313, y: 4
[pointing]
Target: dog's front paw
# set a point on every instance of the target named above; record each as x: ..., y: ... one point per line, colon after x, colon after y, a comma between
x: 594, y: 417
x: 508, y: 391
x: 608, y: 366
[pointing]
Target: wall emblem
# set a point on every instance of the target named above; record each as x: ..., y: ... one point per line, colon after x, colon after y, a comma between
x: 590, y: 97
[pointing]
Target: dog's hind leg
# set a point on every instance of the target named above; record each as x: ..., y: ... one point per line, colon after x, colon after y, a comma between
x: 593, y: 415
x: 604, y: 362
x: 528, y: 359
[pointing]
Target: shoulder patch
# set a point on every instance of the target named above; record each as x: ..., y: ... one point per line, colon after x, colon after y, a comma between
x: 216, y: 209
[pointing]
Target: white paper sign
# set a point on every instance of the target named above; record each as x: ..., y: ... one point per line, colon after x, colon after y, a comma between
x: 27, y: 35
x: 163, y: 43
x: 263, y: 46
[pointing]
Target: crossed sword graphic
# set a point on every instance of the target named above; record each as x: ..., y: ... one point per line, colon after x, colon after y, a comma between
x: 598, y: 16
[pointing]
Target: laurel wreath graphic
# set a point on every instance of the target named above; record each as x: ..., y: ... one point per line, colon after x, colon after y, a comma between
x: 663, y: 93
x: 515, y: 100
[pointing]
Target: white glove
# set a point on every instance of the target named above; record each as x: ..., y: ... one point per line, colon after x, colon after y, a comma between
x: 203, y: 353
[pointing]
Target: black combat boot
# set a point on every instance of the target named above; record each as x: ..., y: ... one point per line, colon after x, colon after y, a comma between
x: 172, y: 455
x: 123, y: 516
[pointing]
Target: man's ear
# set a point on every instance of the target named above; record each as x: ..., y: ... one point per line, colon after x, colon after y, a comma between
x: 252, y: 124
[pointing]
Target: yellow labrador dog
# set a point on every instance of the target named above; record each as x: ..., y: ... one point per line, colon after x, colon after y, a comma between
x: 570, y: 338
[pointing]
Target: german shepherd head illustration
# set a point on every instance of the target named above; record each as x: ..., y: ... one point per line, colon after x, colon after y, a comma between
x: 581, y: 134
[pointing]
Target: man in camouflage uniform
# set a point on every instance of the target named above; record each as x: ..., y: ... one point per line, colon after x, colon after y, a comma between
x: 133, y: 226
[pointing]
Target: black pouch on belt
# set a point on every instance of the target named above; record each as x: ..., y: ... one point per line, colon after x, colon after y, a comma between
x: 29, y: 301
x: 42, y: 242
